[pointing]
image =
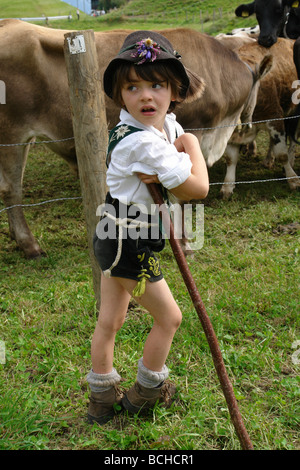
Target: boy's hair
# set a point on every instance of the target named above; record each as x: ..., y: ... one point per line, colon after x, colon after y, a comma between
x: 152, y: 72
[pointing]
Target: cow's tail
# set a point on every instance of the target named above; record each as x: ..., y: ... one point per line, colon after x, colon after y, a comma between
x: 292, y: 125
x: 196, y: 87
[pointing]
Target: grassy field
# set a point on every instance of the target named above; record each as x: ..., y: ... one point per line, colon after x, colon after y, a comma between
x: 248, y: 276
x: 206, y: 16
x: 34, y: 8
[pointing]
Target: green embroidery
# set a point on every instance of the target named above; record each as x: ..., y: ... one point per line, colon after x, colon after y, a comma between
x: 153, y: 266
x: 141, y: 257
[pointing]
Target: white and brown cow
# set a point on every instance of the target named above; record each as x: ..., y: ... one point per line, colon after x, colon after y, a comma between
x: 274, y: 102
x: 37, y: 100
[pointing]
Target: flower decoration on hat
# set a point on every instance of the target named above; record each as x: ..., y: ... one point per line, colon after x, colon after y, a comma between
x: 148, y: 51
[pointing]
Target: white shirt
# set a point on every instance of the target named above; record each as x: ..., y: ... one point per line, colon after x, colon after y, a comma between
x: 146, y: 152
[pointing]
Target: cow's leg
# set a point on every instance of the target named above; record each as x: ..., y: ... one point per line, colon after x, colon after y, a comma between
x: 232, y: 157
x: 184, y: 241
x: 12, y: 166
x: 249, y: 150
x: 283, y: 154
x: 179, y: 226
x: 269, y: 161
x: 294, y: 182
x: 291, y: 153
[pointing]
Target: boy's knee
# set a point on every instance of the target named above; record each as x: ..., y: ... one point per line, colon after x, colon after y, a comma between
x: 112, y: 325
x: 178, y: 320
x: 174, y: 321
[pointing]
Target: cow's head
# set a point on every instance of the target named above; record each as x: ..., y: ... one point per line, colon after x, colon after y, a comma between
x: 271, y: 16
x: 292, y: 28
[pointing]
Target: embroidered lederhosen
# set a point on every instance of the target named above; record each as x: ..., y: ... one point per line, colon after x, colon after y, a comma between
x: 125, y: 256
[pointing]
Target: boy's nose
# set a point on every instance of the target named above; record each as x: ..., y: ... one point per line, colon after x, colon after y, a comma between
x: 146, y: 94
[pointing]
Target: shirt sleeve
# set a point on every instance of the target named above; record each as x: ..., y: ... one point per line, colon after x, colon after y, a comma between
x: 152, y: 155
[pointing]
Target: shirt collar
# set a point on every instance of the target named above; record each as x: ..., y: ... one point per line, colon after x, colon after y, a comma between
x: 125, y: 116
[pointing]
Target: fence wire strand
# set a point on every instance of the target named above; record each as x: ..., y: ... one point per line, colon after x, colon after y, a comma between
x: 263, y: 121
x: 190, y: 130
x: 80, y: 197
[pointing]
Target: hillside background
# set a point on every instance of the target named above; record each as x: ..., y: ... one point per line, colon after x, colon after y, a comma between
x: 207, y: 16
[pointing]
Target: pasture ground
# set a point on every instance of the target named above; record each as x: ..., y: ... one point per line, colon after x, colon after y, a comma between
x: 248, y: 276
x: 247, y: 273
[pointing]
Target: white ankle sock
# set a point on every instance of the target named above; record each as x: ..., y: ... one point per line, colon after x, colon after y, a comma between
x: 151, y: 378
x: 102, y: 382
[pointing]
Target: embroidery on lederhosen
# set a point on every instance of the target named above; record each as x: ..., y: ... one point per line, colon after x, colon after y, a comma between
x: 153, y: 265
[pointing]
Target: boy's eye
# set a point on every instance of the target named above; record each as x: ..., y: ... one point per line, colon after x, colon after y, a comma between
x: 156, y: 86
x: 131, y: 87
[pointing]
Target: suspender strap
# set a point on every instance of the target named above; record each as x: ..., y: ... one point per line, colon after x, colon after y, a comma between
x: 117, y: 134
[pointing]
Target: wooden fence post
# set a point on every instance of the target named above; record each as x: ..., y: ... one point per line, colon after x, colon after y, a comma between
x: 90, y: 130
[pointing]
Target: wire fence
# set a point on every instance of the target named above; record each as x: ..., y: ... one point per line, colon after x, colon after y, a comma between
x: 263, y: 121
x: 268, y: 180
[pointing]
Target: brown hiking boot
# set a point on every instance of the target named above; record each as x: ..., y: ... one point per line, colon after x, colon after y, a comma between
x: 101, y: 407
x: 139, y: 399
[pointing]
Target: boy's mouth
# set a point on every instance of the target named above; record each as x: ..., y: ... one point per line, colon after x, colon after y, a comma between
x: 147, y: 110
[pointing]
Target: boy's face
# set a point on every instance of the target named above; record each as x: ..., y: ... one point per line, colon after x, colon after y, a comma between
x: 147, y: 102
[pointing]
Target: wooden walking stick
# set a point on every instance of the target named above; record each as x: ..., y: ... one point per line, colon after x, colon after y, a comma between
x: 204, y: 319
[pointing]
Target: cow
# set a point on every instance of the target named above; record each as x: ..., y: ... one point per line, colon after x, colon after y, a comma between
x: 276, y: 18
x: 274, y: 101
x: 292, y: 125
x: 37, y: 101
x: 236, y: 39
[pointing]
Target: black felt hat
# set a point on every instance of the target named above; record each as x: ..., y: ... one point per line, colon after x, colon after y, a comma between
x: 142, y: 47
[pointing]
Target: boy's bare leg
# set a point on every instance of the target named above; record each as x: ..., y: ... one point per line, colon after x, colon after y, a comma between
x: 113, y: 309
x: 159, y: 302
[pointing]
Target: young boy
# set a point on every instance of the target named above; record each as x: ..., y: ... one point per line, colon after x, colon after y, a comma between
x: 147, y: 79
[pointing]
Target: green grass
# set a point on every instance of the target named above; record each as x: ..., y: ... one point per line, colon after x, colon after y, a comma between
x: 34, y: 8
x: 216, y: 16
x: 248, y: 276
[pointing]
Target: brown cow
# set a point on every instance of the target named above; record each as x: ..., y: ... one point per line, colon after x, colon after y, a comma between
x: 274, y: 101
x: 37, y: 100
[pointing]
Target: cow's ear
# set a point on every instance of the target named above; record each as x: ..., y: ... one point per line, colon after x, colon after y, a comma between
x: 245, y: 10
x: 295, y: 4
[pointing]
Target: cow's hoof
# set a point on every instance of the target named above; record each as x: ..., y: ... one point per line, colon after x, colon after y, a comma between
x: 35, y: 254
x: 294, y: 184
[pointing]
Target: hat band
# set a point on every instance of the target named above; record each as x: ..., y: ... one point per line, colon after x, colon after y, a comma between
x: 147, y: 51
